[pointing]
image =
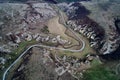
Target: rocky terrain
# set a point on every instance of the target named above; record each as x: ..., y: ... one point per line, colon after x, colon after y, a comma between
x: 73, y: 36
x: 105, y: 32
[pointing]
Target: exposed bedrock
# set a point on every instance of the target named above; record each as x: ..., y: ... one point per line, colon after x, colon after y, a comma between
x: 104, y: 39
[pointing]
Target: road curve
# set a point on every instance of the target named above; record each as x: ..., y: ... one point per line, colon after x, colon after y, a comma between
x: 44, y: 46
x: 67, y: 26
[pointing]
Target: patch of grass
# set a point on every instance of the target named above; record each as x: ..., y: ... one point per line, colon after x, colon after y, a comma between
x: 15, y: 54
x: 21, y: 48
x: 95, y: 62
x: 99, y: 73
x: 13, y: 69
x: 49, y: 43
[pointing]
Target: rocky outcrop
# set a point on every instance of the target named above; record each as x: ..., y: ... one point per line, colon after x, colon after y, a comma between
x: 103, y: 39
x: 112, y: 43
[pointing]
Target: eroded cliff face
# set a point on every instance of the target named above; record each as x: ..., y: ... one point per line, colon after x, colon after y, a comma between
x: 97, y: 19
x: 100, y: 17
x: 106, y: 16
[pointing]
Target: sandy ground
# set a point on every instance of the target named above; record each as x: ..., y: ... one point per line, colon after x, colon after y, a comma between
x: 37, y: 70
x: 56, y: 28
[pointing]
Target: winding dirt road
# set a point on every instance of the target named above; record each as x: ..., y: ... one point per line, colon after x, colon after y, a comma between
x: 49, y: 47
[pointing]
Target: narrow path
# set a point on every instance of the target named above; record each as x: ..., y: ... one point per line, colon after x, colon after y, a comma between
x: 64, y: 23
x: 117, y: 69
x: 5, y: 73
x: 49, y: 47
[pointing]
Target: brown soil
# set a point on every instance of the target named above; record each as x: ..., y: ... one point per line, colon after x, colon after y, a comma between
x: 35, y: 69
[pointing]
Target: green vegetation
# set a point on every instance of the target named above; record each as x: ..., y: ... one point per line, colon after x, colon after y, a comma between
x: 20, y: 49
x: 16, y: 53
x: 95, y: 62
x: 45, y: 29
x: 13, y: 69
x: 99, y: 73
